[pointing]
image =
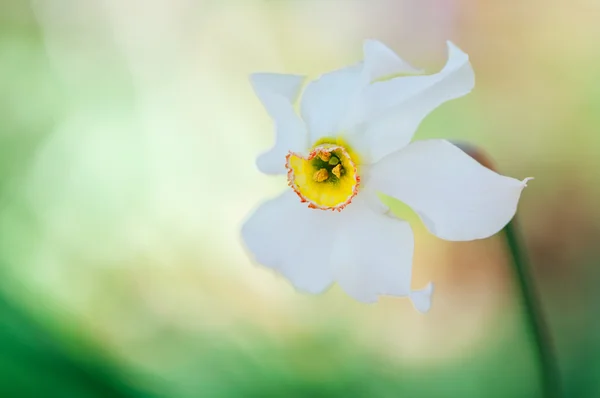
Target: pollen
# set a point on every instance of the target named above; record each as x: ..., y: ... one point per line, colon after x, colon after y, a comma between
x: 321, y: 175
x: 328, y: 178
x: 325, y: 156
x: 337, y: 171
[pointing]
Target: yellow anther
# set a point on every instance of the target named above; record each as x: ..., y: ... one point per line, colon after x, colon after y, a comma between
x: 321, y: 175
x: 325, y: 156
x: 337, y: 171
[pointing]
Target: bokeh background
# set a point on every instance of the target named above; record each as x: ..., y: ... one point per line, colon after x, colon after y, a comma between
x: 128, y: 132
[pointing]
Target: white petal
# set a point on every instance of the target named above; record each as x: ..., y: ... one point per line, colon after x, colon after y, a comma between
x: 373, y: 254
x: 287, y: 236
x: 381, y: 61
x: 277, y: 92
x: 290, y: 134
x: 274, y: 83
x: 325, y: 101
x: 456, y: 197
x: 421, y: 299
x: 391, y: 111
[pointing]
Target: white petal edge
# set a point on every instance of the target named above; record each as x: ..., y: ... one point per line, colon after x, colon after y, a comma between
x: 326, y: 100
x: 373, y: 254
x: 277, y: 92
x: 290, y: 135
x: 457, y: 198
x: 380, y: 61
x: 284, y: 235
x: 389, y: 112
x: 421, y: 299
x: 285, y: 85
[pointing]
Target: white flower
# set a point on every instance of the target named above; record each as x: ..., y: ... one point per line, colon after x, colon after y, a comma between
x: 350, y: 141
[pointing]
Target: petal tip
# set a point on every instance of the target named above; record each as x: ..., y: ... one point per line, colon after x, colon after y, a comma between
x: 421, y: 299
x: 526, y: 180
x: 254, y: 78
x: 453, y: 48
x: 284, y: 84
x: 369, y: 43
x: 456, y: 55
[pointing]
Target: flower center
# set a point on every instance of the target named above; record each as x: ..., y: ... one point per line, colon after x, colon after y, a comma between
x: 327, y: 178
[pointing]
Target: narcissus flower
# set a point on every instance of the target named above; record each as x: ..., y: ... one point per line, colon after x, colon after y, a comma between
x: 351, y: 140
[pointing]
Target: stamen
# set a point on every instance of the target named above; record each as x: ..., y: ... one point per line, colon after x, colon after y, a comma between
x: 325, y: 156
x: 333, y: 161
x: 337, y: 171
x: 321, y: 175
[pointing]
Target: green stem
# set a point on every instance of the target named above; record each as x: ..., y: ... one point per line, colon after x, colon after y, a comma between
x: 550, y: 375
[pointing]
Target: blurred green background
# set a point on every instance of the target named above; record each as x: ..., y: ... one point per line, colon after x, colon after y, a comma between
x: 128, y: 132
